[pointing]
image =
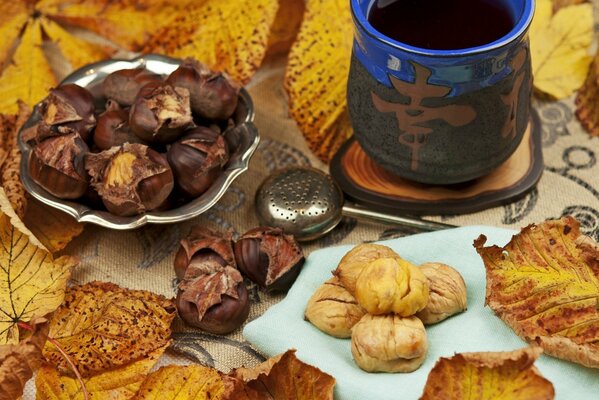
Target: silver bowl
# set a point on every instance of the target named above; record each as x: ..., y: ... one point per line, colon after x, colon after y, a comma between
x: 243, y: 140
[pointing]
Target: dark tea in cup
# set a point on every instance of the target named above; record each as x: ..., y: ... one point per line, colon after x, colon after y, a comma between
x: 442, y: 24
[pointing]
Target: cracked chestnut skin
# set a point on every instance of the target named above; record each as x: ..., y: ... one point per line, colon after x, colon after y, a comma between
x: 67, y: 109
x: 197, y: 160
x: 203, y: 249
x: 213, y: 94
x: 269, y: 257
x: 216, y: 300
x: 57, y: 164
x: 113, y: 129
x: 160, y: 113
x: 123, y: 85
x: 130, y: 179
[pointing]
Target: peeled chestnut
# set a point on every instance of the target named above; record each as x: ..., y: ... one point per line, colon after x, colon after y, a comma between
x: 112, y: 128
x: 68, y: 108
x: 215, y: 301
x: 57, y: 165
x: 160, y: 113
x: 213, y: 95
x: 269, y: 257
x: 197, y: 159
x: 203, y: 249
x: 130, y: 179
x: 123, y: 85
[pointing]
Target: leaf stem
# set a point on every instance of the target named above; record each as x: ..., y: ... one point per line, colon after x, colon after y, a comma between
x: 28, y: 327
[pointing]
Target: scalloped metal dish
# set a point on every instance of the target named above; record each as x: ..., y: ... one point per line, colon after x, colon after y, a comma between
x: 243, y: 138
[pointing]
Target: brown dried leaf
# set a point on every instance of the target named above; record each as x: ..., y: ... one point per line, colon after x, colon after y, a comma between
x: 230, y: 36
x: 287, y: 23
x: 587, y: 100
x: 316, y: 76
x: 545, y: 285
x: 493, y: 375
x: 19, y: 361
x: 102, y: 326
x: 284, y: 377
x: 192, y: 382
x: 114, y: 384
x: 52, y: 227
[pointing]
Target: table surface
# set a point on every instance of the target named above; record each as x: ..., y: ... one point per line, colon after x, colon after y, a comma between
x: 142, y: 259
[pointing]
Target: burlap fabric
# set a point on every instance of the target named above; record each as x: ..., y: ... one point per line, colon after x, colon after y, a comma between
x: 142, y: 259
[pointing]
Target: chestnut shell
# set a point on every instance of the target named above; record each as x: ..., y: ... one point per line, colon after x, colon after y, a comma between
x: 68, y: 108
x: 112, y: 129
x: 57, y: 165
x: 269, y: 257
x: 123, y: 85
x: 197, y: 160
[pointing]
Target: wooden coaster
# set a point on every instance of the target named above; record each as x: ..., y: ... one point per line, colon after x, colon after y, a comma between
x: 368, y: 184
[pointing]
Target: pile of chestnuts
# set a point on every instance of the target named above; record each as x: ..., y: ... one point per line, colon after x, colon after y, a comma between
x: 212, y: 294
x: 158, y: 142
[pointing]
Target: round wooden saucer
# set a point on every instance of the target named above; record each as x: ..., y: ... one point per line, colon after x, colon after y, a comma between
x: 370, y: 185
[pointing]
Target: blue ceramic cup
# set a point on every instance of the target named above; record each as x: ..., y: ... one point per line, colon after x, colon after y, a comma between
x: 440, y: 116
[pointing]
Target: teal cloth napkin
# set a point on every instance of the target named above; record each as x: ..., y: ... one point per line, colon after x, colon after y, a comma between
x: 282, y: 327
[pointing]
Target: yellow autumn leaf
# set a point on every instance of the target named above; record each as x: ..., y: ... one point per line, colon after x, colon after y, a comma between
x: 490, y: 375
x: 128, y: 23
x: 587, y: 100
x: 52, y: 227
x: 113, y: 384
x: 12, y: 19
x: 542, y: 16
x: 545, y: 285
x: 230, y: 36
x: 78, y: 52
x: 102, y: 326
x: 32, y: 284
x: 28, y: 77
x: 193, y: 382
x: 316, y: 75
x: 559, y: 51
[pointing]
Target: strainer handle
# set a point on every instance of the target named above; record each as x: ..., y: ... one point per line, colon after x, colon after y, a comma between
x: 420, y: 224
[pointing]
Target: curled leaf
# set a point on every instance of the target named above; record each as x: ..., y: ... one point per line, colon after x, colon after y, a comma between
x: 19, y: 361
x: 587, y: 100
x: 545, y: 285
x: 492, y: 375
x: 113, y: 384
x: 316, y: 76
x: 32, y: 283
x: 284, y: 377
x: 226, y: 35
x: 102, y: 326
x: 286, y: 25
x: 559, y: 51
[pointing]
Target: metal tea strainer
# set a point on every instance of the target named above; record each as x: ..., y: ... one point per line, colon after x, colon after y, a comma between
x: 307, y: 203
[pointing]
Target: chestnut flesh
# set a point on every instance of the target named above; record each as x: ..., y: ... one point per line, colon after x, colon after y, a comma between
x: 68, y: 108
x: 160, y: 113
x: 57, y: 165
x: 213, y: 94
x: 130, y: 179
x: 216, y: 301
x: 123, y: 85
x: 203, y: 249
x: 197, y: 159
x: 269, y: 257
x: 112, y: 128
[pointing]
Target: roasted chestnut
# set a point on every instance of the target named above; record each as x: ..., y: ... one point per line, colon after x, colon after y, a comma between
x: 130, y: 179
x: 213, y: 95
x: 68, y: 108
x: 269, y: 257
x: 123, y: 85
x: 215, y: 301
x: 57, y: 165
x: 197, y: 159
x: 112, y: 128
x: 160, y: 113
x: 203, y: 249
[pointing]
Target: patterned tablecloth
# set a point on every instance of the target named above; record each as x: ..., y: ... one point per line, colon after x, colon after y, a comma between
x: 143, y: 258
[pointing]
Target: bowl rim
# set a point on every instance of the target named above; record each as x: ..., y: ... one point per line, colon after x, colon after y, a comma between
x: 239, y: 163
